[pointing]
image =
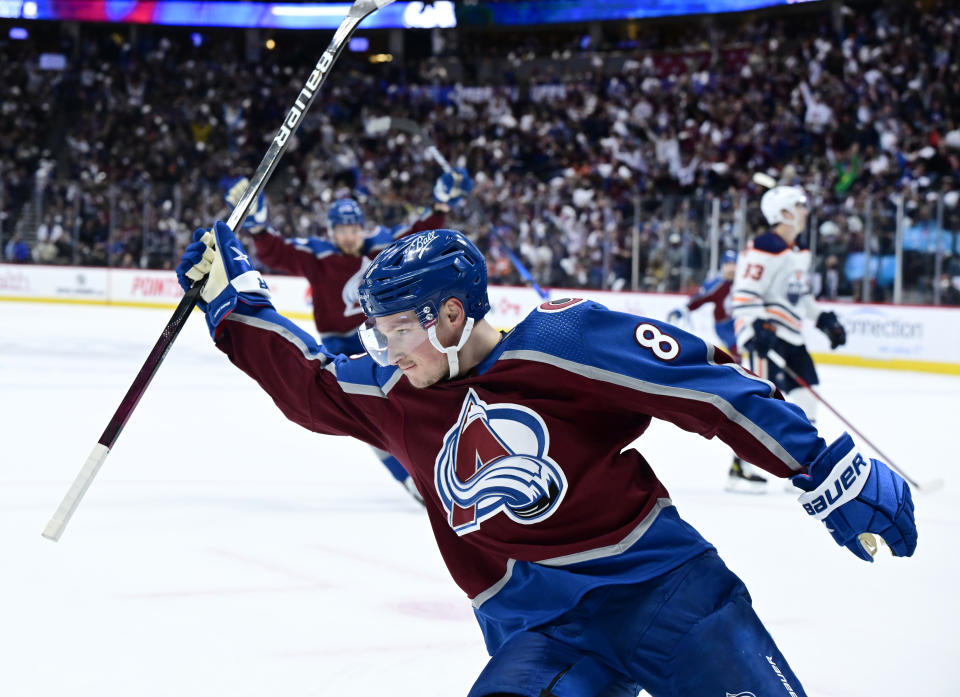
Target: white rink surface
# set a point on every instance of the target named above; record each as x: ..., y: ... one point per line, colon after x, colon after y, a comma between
x: 223, y: 551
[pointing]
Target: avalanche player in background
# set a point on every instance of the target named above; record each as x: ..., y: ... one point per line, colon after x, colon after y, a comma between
x: 333, y: 266
x: 771, y: 298
x: 716, y: 290
x: 584, y: 578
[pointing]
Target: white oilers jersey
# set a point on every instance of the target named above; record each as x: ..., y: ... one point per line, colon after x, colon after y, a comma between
x: 772, y: 283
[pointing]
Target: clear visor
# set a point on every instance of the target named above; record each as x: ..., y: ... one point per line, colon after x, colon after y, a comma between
x: 388, y: 339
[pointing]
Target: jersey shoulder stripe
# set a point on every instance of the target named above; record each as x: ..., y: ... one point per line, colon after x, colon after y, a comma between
x: 652, y: 358
x: 359, y: 374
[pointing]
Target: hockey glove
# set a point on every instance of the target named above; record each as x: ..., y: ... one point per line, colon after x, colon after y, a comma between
x: 676, y: 315
x: 256, y: 220
x: 764, y: 338
x: 828, y: 323
x: 231, y: 281
x: 853, y: 495
x: 451, y: 187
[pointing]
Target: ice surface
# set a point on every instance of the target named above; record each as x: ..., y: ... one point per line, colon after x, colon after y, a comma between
x: 223, y: 551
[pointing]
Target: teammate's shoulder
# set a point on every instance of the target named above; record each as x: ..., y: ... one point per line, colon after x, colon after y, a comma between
x: 769, y: 243
x: 381, y: 238
x: 315, y: 245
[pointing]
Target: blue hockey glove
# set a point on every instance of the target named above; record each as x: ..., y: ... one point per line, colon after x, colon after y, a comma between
x: 451, y: 187
x: 853, y: 495
x: 256, y: 220
x: 231, y: 280
x: 828, y: 323
x: 763, y: 339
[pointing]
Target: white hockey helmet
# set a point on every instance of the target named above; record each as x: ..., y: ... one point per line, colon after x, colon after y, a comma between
x: 779, y: 199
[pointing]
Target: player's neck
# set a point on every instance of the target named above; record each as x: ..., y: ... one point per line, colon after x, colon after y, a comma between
x: 786, y: 232
x: 483, y: 339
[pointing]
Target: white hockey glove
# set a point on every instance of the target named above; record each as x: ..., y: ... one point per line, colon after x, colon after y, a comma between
x: 232, y: 281
x: 256, y: 220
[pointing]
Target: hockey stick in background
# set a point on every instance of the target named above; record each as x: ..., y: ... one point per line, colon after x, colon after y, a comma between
x: 358, y: 11
x: 927, y: 487
x: 382, y: 124
x: 518, y: 265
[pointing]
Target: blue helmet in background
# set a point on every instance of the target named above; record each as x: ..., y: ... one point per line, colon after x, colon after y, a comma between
x: 345, y: 211
x: 729, y: 256
x: 423, y: 271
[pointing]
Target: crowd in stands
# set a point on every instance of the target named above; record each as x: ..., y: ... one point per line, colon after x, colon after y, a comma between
x: 580, y: 168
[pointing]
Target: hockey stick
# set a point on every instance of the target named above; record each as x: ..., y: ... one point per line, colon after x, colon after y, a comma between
x: 927, y: 487
x: 518, y: 265
x: 358, y: 11
x: 382, y: 124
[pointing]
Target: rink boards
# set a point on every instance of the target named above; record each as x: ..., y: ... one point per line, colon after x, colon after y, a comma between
x: 904, y: 337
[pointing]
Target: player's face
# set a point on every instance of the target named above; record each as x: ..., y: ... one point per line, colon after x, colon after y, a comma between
x: 801, y: 212
x: 728, y: 270
x: 400, y: 340
x: 349, y: 238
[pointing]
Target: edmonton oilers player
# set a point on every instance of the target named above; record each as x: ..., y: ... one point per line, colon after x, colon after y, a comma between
x: 771, y: 298
x: 583, y: 576
x: 333, y: 267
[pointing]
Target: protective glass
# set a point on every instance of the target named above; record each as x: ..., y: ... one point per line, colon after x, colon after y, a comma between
x: 388, y: 338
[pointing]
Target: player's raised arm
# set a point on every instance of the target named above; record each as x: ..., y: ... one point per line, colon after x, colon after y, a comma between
x: 322, y: 392
x: 448, y: 191
x: 661, y: 371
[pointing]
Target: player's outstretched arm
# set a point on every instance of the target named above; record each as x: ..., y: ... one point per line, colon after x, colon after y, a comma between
x: 296, y: 256
x: 322, y: 392
x: 854, y: 495
x: 659, y: 370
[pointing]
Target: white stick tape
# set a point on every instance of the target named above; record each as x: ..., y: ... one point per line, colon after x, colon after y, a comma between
x: 59, y: 521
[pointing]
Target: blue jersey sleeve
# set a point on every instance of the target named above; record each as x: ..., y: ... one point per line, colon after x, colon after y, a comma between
x: 658, y: 370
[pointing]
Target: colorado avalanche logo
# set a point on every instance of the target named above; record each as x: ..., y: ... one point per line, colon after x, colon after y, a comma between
x: 494, y: 459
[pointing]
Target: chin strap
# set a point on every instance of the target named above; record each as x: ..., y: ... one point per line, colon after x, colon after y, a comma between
x: 453, y: 359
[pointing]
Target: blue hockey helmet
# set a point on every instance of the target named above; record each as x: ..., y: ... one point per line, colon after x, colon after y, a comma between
x: 345, y: 211
x: 729, y: 257
x: 423, y: 271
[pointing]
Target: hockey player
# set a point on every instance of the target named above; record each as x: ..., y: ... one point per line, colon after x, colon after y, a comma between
x: 583, y: 576
x: 771, y: 298
x: 715, y: 290
x: 334, y: 266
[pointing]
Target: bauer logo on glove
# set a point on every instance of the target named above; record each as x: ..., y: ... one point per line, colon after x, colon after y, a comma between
x: 840, y: 487
x: 855, y: 497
